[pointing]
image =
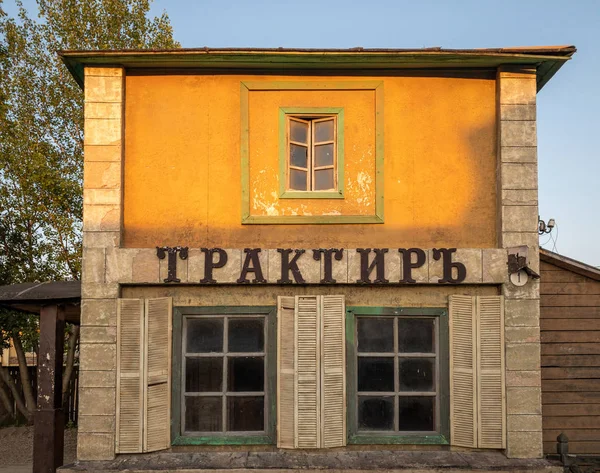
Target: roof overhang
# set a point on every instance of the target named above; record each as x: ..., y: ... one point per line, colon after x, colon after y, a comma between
x: 31, y: 297
x: 546, y: 60
x: 570, y: 264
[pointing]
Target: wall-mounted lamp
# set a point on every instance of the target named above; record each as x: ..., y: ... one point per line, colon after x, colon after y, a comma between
x: 544, y: 227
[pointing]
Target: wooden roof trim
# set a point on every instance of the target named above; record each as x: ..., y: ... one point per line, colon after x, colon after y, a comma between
x: 570, y: 264
x: 547, y: 60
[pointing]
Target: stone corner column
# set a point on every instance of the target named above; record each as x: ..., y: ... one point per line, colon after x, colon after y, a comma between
x: 102, y: 224
x: 517, y: 225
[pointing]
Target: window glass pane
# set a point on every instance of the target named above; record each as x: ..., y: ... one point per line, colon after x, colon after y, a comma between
x: 416, y: 336
x: 298, y: 131
x: 375, y: 413
x: 298, y: 156
x: 324, y: 179
x: 324, y: 155
x: 324, y: 131
x: 203, y: 414
x: 298, y: 180
x: 375, y: 374
x: 246, y: 373
x: 416, y: 374
x: 245, y: 414
x: 246, y: 335
x: 204, y: 335
x: 203, y: 374
x: 416, y: 413
x: 375, y: 335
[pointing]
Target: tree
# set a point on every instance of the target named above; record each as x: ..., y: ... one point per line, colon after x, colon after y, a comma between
x: 41, y: 140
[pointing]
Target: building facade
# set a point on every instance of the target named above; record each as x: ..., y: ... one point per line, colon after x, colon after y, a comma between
x: 306, y: 249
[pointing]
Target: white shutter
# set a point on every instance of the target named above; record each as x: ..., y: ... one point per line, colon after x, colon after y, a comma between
x: 463, y: 387
x: 307, y: 372
x: 333, y: 371
x: 490, y: 372
x: 477, y: 399
x: 286, y: 369
x: 157, y: 374
x: 130, y: 340
x: 311, y: 374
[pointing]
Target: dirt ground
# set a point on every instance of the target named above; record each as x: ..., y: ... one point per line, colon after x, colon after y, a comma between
x: 16, y: 448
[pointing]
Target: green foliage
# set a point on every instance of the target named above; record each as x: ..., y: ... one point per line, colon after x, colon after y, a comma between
x: 41, y: 144
x: 24, y: 325
x: 41, y: 135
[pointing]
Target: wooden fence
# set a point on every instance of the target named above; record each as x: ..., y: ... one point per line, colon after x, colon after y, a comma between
x: 70, y: 402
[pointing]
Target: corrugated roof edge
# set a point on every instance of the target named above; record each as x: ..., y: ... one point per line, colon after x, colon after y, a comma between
x: 570, y: 264
x: 546, y: 59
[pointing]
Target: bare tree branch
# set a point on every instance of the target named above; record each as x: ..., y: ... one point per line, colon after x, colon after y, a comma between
x: 8, y: 405
x: 17, y: 396
x: 67, y: 375
x: 24, y: 372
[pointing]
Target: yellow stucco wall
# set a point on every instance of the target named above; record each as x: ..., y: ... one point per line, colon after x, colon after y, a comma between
x: 182, y: 170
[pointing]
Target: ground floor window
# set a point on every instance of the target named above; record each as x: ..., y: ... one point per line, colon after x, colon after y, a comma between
x: 223, y: 360
x: 398, y: 375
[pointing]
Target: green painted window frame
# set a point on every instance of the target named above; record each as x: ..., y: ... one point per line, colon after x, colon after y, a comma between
x: 246, y: 87
x: 284, y: 193
x: 269, y: 437
x: 380, y: 438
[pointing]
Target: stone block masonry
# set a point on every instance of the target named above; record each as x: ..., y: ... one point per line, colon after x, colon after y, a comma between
x: 517, y: 225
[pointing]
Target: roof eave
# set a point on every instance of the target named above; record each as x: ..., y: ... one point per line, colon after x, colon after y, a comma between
x: 547, y: 61
x: 570, y: 264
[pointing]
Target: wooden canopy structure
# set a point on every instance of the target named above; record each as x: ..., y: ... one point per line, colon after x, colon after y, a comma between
x: 56, y: 302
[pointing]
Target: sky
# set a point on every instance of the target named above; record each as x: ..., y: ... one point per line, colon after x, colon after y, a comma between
x: 568, y: 106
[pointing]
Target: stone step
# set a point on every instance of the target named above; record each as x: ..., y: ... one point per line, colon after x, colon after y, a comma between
x: 335, y: 461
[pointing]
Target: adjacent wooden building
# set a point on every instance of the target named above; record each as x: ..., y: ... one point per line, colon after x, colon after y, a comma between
x: 570, y: 334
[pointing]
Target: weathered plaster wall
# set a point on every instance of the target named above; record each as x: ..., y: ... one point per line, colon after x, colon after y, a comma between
x: 403, y: 296
x: 182, y: 168
x: 180, y: 175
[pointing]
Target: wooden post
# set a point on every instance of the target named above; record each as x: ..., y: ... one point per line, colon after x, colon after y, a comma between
x: 562, y: 447
x: 49, y: 421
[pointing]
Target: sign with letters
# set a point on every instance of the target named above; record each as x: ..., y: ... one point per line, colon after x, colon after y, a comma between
x: 372, y: 265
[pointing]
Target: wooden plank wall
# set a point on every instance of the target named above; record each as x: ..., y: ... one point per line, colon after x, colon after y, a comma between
x: 570, y: 333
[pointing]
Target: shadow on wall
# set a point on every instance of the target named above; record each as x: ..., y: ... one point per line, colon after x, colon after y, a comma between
x: 439, y: 179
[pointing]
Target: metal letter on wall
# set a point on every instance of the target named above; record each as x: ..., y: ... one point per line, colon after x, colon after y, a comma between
x: 408, y: 265
x: 252, y: 257
x: 378, y: 264
x: 162, y: 251
x: 210, y: 264
x: 288, y: 265
x: 448, y: 264
x: 327, y: 262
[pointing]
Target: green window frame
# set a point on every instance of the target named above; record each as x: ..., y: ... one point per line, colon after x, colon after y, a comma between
x: 286, y: 113
x: 266, y: 437
x: 441, y: 436
x: 247, y: 87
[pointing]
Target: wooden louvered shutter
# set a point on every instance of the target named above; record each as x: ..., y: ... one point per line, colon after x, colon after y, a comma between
x: 490, y: 372
x: 286, y: 378
x: 130, y: 340
x: 333, y: 371
x: 307, y: 372
x: 157, y: 374
x: 463, y: 386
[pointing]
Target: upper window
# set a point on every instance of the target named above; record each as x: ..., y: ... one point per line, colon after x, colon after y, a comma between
x: 311, y: 152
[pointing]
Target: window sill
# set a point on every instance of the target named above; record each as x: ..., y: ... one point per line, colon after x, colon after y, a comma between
x: 310, y: 219
x: 365, y: 439
x: 312, y: 195
x: 223, y: 440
